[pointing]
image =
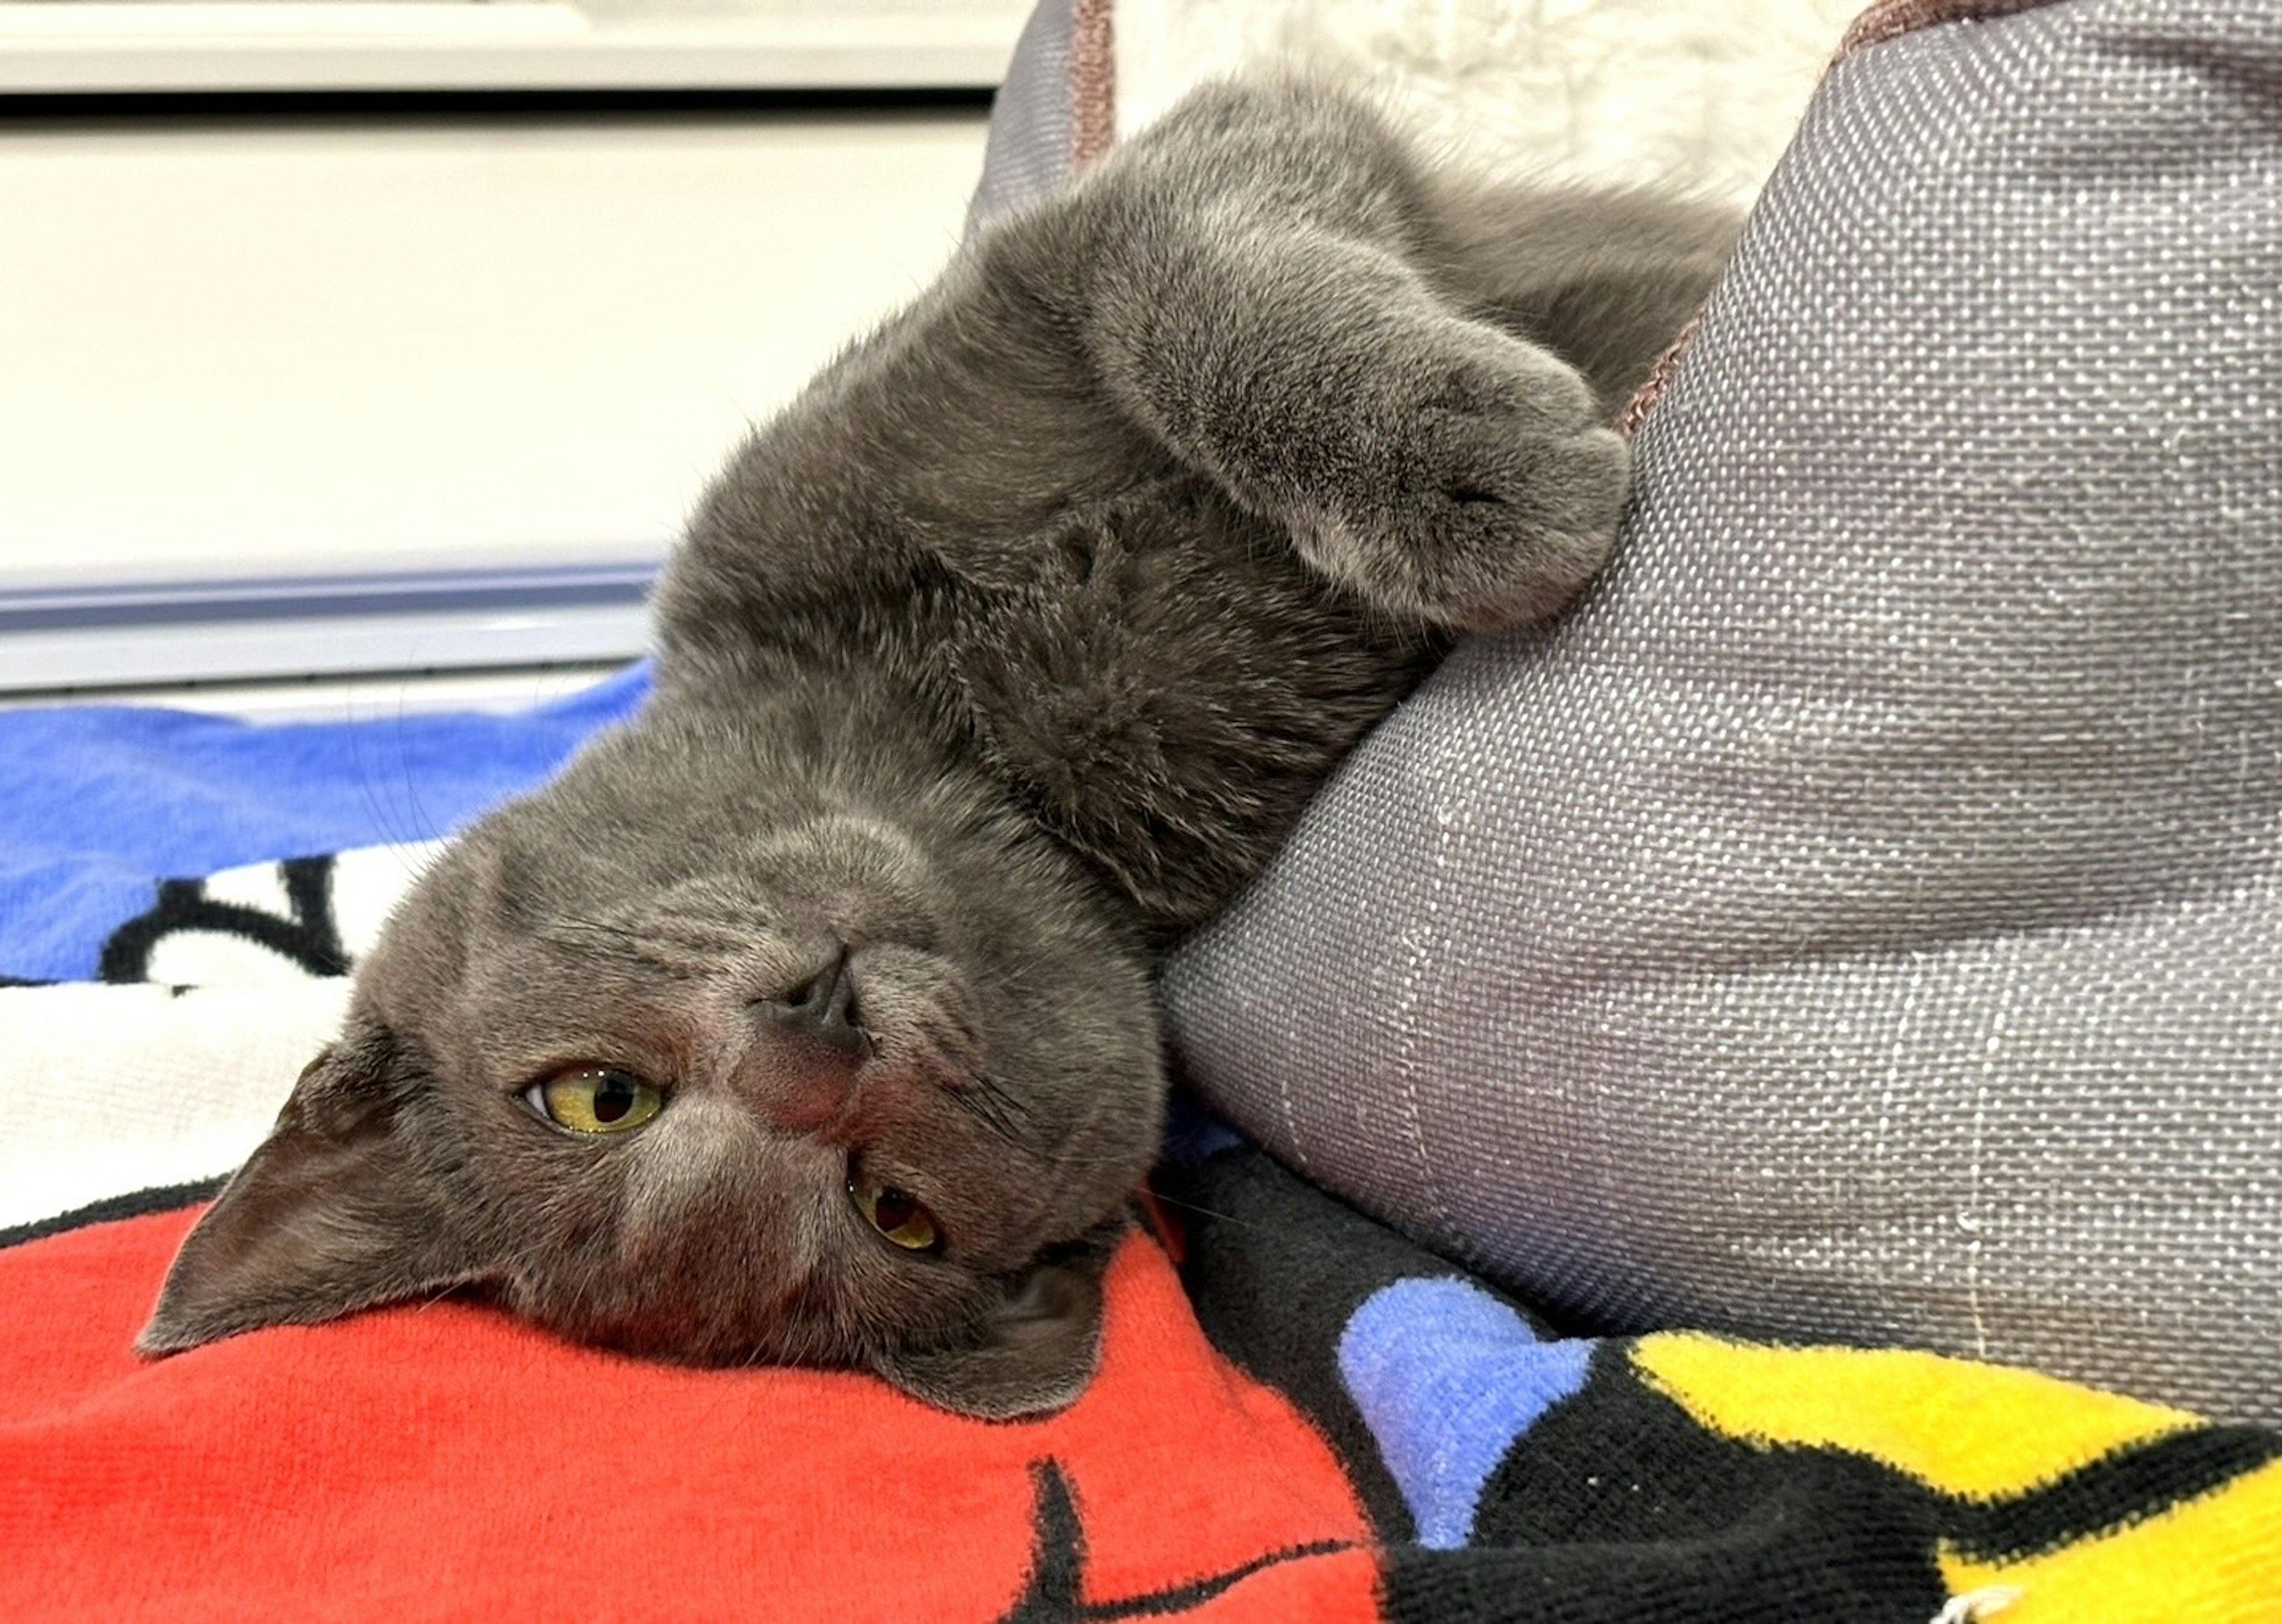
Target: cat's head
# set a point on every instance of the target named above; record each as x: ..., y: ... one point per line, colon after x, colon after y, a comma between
x: 718, y: 1052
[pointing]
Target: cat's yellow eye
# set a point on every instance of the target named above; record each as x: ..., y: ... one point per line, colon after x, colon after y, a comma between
x: 896, y: 1214
x: 595, y: 1100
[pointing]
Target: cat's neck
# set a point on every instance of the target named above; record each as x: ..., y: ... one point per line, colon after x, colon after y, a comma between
x: 864, y: 734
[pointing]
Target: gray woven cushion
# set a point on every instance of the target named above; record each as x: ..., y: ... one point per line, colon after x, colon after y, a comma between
x: 1860, y: 918
x: 1028, y: 152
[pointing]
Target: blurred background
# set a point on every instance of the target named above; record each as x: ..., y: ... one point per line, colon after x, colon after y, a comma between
x: 387, y: 343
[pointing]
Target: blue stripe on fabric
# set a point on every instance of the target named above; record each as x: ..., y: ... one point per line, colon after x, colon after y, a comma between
x: 97, y: 803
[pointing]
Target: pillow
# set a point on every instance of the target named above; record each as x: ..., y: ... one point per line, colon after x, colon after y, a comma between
x: 1861, y: 916
x: 1612, y: 92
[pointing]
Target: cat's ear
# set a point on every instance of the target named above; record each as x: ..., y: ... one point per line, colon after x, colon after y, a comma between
x: 1037, y: 1351
x: 331, y: 1213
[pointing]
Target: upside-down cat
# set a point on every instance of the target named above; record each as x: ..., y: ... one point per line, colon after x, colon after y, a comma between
x: 808, y: 1017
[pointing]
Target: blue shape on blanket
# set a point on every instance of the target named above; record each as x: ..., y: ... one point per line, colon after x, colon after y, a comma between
x: 106, y: 801
x: 1194, y: 1135
x: 1446, y: 1377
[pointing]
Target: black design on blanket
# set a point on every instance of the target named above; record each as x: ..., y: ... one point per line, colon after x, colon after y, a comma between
x: 1606, y: 1497
x: 308, y: 935
x: 2134, y: 1484
x: 1056, y: 1590
x: 1605, y: 1500
x: 132, y: 1204
x: 1619, y: 1502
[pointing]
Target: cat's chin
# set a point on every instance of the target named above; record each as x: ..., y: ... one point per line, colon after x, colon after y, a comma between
x: 1029, y: 1350
x: 1033, y: 1355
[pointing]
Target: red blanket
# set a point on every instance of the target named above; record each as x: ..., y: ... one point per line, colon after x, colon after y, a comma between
x: 446, y: 1461
x: 1312, y: 1419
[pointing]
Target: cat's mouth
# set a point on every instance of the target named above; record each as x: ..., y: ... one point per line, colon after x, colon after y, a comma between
x: 794, y: 1326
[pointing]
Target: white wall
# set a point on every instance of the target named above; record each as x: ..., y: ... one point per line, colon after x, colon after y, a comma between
x: 340, y: 345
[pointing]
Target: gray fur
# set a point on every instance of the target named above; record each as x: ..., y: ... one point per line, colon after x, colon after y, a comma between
x: 1001, y: 657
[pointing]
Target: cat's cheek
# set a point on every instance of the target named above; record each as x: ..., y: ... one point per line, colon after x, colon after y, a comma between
x: 1032, y: 1351
x: 707, y: 1194
x: 697, y: 1148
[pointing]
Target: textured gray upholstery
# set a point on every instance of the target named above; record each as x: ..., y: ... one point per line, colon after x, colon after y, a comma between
x: 1030, y: 150
x: 1862, y: 916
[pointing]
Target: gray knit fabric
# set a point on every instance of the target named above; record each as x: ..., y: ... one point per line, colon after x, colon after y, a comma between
x: 1862, y: 918
x: 1029, y: 150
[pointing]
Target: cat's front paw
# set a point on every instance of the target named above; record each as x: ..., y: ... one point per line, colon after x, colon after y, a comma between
x: 1495, y: 489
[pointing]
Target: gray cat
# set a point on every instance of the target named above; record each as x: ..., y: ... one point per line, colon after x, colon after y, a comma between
x: 807, y: 1018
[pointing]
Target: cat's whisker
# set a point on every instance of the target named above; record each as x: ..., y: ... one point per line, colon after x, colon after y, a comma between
x: 625, y: 945
x: 390, y: 830
x: 993, y: 1107
x: 1204, y: 1211
x: 986, y: 1083
x: 588, y: 927
x: 404, y: 759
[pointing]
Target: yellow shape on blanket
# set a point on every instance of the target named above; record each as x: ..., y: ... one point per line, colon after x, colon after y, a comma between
x: 2214, y: 1560
x: 1978, y: 1430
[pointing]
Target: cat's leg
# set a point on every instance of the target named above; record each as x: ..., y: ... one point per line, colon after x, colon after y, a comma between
x: 1445, y: 469
x: 1609, y: 278
x: 1257, y: 298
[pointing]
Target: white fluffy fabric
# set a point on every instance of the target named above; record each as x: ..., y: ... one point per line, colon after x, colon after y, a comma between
x: 142, y: 1086
x: 1700, y: 96
x: 178, y: 1078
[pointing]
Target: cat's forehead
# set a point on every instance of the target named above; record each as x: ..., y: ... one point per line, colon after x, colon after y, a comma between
x: 520, y: 947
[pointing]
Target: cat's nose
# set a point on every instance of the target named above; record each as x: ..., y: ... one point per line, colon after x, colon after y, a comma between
x: 823, y: 1007
x: 804, y: 1073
